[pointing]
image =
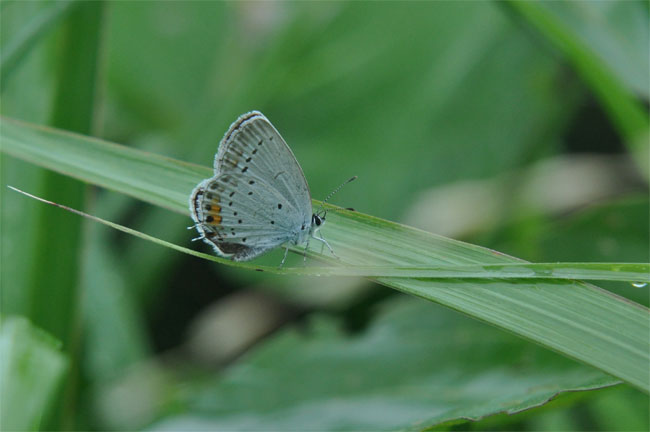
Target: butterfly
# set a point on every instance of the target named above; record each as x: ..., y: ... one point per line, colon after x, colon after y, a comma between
x: 258, y: 198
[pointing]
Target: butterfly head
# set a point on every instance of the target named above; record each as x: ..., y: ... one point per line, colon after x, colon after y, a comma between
x: 322, y: 209
x: 317, y: 220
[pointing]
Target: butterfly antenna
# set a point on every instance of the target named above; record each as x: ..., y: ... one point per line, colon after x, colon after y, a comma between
x: 333, y: 192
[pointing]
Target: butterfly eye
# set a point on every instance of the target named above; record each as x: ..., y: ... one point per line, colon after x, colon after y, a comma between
x: 316, y: 220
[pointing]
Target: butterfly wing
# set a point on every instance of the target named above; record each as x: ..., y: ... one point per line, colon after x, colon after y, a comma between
x: 258, y: 198
x: 252, y: 143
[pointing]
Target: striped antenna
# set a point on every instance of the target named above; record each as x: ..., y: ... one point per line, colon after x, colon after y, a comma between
x: 333, y: 192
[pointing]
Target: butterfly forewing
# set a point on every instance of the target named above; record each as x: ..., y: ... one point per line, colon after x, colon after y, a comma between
x: 252, y: 145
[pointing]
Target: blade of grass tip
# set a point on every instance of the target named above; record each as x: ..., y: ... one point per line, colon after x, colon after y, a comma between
x: 122, y: 228
x: 626, y: 272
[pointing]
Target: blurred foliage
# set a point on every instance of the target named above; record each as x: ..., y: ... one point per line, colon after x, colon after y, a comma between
x: 411, y: 97
x: 383, y: 379
x: 30, y: 372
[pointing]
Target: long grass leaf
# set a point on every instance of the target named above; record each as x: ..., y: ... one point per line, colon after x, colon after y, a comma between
x: 636, y: 273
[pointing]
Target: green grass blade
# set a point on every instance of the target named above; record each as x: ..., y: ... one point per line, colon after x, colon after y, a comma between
x: 72, y: 110
x: 55, y: 279
x: 574, y: 318
x: 151, y: 178
x: 626, y: 112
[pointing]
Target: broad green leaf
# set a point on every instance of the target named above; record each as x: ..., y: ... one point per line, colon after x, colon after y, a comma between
x: 625, y: 410
x: 577, y: 319
x: 416, y: 366
x: 31, y: 368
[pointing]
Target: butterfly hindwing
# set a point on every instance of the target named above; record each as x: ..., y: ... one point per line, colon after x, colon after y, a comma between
x: 241, y: 217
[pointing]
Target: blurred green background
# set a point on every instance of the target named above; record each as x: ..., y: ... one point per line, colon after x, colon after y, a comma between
x: 516, y: 126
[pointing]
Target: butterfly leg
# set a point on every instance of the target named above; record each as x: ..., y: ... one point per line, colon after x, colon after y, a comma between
x: 286, y: 251
x: 321, y: 239
x: 304, y: 260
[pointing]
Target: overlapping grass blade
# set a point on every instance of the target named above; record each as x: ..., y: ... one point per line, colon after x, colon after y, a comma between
x: 636, y: 273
